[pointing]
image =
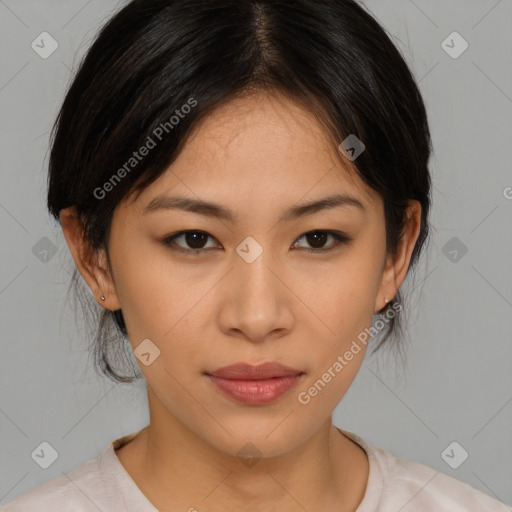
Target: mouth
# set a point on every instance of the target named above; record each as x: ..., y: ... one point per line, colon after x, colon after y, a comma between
x: 255, y: 385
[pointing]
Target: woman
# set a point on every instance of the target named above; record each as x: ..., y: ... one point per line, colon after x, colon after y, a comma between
x: 244, y: 186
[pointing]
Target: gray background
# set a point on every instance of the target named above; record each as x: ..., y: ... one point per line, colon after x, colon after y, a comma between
x: 457, y: 385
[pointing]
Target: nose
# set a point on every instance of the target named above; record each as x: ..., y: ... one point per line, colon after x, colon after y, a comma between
x: 257, y: 303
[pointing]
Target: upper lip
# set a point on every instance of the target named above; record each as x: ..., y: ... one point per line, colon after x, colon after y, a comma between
x: 244, y: 371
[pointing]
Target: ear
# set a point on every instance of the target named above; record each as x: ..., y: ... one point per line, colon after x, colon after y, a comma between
x: 91, y: 263
x: 395, y: 269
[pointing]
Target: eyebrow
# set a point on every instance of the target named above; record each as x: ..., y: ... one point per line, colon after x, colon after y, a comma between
x: 217, y: 211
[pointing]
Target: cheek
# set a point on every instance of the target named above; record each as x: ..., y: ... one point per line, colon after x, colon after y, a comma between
x: 160, y: 302
x: 345, y: 302
x: 344, y: 293
x: 144, y: 287
x: 336, y: 358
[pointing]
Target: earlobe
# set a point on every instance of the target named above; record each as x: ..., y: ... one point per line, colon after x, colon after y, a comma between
x: 91, y: 263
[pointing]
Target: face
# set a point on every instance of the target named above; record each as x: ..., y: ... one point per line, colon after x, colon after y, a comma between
x: 258, y: 285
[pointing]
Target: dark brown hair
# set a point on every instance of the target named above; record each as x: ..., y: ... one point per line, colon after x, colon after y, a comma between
x: 153, y: 56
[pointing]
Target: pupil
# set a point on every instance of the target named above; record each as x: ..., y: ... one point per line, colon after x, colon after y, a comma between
x: 317, y: 236
x: 194, y: 240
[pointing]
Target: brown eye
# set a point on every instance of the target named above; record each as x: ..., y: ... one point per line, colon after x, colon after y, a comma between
x: 317, y: 240
x: 194, y: 241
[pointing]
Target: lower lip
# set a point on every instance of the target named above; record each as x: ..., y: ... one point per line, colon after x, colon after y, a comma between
x: 255, y: 392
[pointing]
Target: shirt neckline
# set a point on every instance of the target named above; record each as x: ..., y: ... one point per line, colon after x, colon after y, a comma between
x: 139, y: 502
x: 375, y: 484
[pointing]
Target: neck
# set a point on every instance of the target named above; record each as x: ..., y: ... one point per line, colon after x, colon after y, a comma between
x: 176, y: 469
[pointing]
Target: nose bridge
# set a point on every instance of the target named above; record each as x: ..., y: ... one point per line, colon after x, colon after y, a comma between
x: 257, y: 302
x: 252, y: 270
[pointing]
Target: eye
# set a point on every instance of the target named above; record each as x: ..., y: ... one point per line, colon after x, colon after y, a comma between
x: 195, y: 240
x: 318, y: 238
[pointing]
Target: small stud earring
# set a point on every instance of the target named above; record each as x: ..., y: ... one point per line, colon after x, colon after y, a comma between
x: 102, y: 297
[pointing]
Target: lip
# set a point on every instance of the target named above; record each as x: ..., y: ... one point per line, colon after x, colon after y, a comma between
x: 244, y: 371
x: 255, y: 385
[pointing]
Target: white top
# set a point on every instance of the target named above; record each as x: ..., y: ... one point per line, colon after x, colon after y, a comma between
x: 102, y: 484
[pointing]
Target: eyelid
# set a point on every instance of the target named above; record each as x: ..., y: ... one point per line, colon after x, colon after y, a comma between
x: 340, y: 238
x: 168, y: 242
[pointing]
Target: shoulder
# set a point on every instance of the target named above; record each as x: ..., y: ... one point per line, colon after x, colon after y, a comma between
x: 409, y: 486
x: 76, y: 490
x: 396, y: 484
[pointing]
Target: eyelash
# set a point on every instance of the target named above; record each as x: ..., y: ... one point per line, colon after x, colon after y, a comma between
x: 339, y: 237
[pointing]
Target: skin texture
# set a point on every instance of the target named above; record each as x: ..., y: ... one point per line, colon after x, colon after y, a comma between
x: 258, y: 156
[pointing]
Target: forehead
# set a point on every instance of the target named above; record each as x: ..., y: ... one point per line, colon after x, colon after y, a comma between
x: 261, y: 145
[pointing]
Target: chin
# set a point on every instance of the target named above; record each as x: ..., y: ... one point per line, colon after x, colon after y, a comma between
x: 257, y: 437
